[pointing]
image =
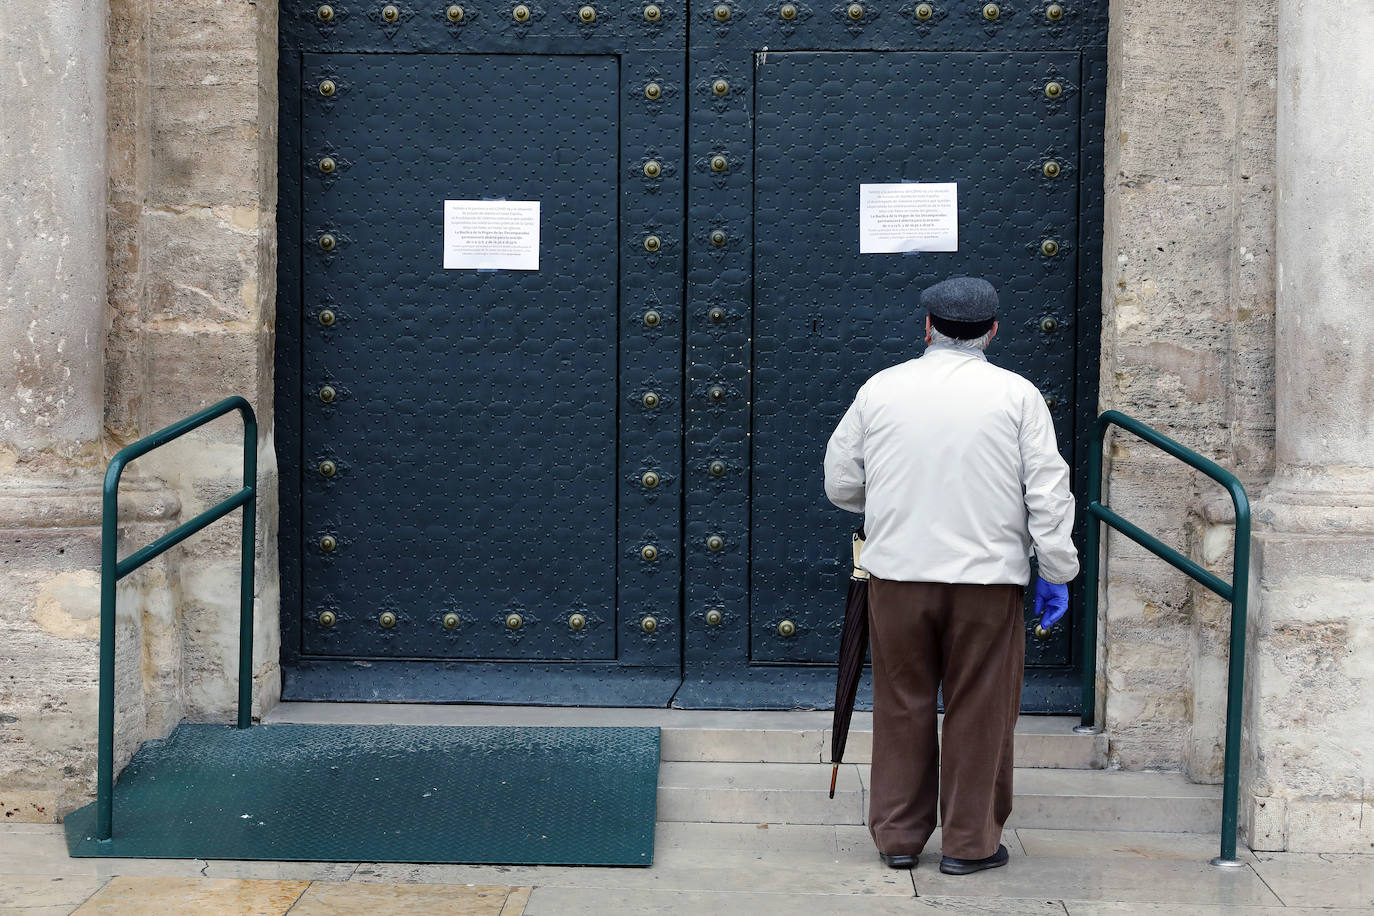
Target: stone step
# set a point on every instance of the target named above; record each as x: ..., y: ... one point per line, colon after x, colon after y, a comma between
x: 791, y: 793
x: 798, y: 736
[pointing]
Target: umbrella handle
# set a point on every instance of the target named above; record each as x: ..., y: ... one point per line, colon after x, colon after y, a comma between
x: 834, y: 772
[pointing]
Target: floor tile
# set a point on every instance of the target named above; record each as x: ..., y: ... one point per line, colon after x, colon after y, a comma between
x: 516, y: 900
x: 789, y: 839
x: 1081, y: 908
x: 563, y: 901
x: 858, y: 840
x: 1302, y: 879
x: 46, y: 891
x: 1198, y: 847
x: 1108, y: 879
x: 137, y: 896
x: 363, y: 899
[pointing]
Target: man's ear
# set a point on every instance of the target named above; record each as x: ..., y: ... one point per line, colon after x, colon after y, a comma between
x: 993, y: 332
x: 928, y: 328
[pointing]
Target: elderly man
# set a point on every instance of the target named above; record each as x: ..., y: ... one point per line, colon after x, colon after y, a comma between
x: 953, y: 462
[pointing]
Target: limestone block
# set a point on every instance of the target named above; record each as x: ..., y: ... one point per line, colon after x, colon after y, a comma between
x: 1264, y: 829
x: 1258, y: 97
x: 202, y: 267
x: 204, y: 146
x: 190, y: 370
x: 200, y: 43
x: 1330, y: 826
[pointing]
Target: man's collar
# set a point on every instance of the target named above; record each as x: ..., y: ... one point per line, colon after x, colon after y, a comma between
x: 958, y: 351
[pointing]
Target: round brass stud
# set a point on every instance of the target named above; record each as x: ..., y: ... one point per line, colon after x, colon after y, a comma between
x: 1049, y: 248
x: 325, y: 12
x: 451, y: 621
x: 387, y: 619
x: 653, y: 91
x: 718, y: 237
x: 855, y: 11
x: 716, y: 393
x: 328, y: 544
x: 717, y: 468
x: 650, y: 399
x: 1053, y: 90
x: 652, y: 319
x: 648, y: 624
x: 715, y: 543
x: 328, y: 619
x: 714, y: 617
x: 652, y: 243
x: 577, y: 621
x: 327, y: 165
x: 327, y: 87
x: 789, y: 12
x: 787, y: 628
x: 328, y: 468
x: 652, y: 169
x: 991, y: 11
x: 649, y: 479
x: 390, y: 13
x: 720, y: 87
x: 652, y: 13
x: 1054, y: 12
x: 328, y: 242
x: 1041, y: 632
x: 587, y: 14
x: 649, y: 552
x: 1048, y: 325
x: 722, y: 13
x: 716, y: 314
x: 455, y: 13
x: 514, y: 621
x: 1051, y: 401
x: 328, y: 394
x: 327, y: 317
x: 924, y: 11
x: 521, y: 13
x: 718, y: 163
x: 1051, y: 169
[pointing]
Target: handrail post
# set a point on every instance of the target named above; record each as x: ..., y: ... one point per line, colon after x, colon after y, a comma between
x: 246, y: 568
x: 109, y: 578
x: 1092, y: 573
x: 1235, y: 681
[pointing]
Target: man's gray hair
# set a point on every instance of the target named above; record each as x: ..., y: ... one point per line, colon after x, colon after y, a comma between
x: 978, y: 343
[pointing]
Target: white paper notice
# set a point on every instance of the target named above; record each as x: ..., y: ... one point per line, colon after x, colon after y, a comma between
x: 491, y: 235
x: 919, y: 216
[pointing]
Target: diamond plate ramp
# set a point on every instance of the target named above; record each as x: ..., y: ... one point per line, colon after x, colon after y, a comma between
x: 355, y: 793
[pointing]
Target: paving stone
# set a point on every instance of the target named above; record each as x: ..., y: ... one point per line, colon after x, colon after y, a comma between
x: 1081, y: 908
x: 1199, y: 847
x: 66, y: 891
x: 559, y: 901
x: 1302, y: 879
x: 136, y: 896
x: 759, y: 792
x: 369, y: 899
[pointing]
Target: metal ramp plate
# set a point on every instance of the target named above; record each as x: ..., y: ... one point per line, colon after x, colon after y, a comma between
x: 386, y: 793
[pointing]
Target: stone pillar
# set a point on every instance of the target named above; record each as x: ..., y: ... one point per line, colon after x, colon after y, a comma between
x: 1311, y: 671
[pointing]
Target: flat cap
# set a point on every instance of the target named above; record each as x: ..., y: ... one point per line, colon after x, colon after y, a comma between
x: 963, y: 299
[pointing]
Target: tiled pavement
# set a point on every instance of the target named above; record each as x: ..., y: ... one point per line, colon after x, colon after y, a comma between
x: 721, y: 869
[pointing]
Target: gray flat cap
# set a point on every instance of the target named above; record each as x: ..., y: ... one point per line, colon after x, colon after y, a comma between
x: 964, y: 299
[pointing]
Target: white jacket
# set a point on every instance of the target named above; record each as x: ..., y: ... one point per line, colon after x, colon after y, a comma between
x: 953, y: 463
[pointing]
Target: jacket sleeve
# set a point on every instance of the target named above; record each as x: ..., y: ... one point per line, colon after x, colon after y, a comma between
x: 1045, y: 477
x: 844, y: 461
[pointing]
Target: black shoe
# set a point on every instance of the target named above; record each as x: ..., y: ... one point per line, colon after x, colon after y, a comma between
x: 952, y: 866
x: 897, y: 861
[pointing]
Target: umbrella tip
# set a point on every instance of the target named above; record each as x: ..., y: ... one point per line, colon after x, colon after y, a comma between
x: 834, y: 772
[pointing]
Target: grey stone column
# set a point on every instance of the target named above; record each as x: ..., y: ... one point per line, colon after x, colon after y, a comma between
x: 1311, y: 686
x: 52, y: 214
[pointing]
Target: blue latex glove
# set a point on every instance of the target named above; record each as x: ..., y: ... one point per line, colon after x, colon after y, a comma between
x: 1051, y: 602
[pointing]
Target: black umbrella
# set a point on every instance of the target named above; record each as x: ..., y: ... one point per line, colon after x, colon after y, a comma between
x: 853, y: 648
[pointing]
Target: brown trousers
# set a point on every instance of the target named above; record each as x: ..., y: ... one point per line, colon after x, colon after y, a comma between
x: 971, y: 639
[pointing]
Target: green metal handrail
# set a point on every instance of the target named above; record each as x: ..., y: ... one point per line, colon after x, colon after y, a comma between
x: 112, y: 569
x: 1237, y: 593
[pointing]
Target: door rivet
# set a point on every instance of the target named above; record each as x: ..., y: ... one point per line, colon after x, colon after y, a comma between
x: 650, y: 479
x: 652, y: 319
x: 328, y: 543
x: 455, y: 13
x: 648, y: 624
x: 1051, y: 169
x: 1041, y: 632
x: 327, y: 394
x: 651, y: 399
x: 720, y: 87
x: 788, y: 11
x: 327, y: 317
x: 722, y: 13
x: 587, y: 14
x: 451, y: 621
x: 652, y: 169
x: 328, y: 242
x: 327, y: 87
x: 327, y: 468
x: 1053, y: 90
x: 714, y: 617
x: 991, y: 11
x: 652, y: 13
x: 514, y: 622
x: 652, y: 243
x: 521, y: 13
x: 327, y: 619
x: 787, y: 628
x: 653, y: 91
x: 717, y: 468
x: 718, y: 163
x: 577, y: 621
x: 924, y: 11
x: 1054, y: 12
x: 716, y: 393
x: 387, y: 619
x: 1048, y: 324
x: 1051, y: 401
x: 715, y: 542
x: 390, y: 13
x: 649, y: 552
x: 855, y: 11
x: 716, y: 314
x: 718, y: 237
x: 1049, y: 248
x: 325, y: 12
x: 327, y: 165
